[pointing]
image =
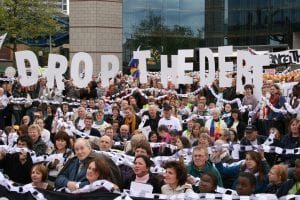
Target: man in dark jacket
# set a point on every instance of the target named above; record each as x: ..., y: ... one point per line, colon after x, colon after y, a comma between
x: 17, y: 166
x: 251, y: 138
x: 88, y: 129
x: 151, y: 118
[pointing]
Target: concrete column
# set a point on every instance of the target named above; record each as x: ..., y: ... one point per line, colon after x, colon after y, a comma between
x: 96, y: 28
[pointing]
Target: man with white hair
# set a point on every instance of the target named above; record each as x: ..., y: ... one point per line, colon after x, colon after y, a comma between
x: 215, y: 124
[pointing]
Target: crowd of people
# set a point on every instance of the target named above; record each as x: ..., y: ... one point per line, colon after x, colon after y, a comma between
x: 149, y: 122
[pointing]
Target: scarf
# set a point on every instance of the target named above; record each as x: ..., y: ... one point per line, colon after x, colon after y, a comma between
x: 273, y: 100
x: 142, y: 179
x: 215, y: 131
x: 131, y: 122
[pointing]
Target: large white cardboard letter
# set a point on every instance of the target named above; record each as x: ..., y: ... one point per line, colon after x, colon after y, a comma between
x: 30, y: 57
x: 251, y: 68
x: 142, y: 56
x: 206, y: 78
x: 168, y: 73
x: 109, y: 68
x: 55, y: 73
x: 81, y: 82
x: 225, y: 67
x: 184, y: 66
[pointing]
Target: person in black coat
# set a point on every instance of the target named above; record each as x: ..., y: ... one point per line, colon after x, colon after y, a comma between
x: 277, y: 176
x: 88, y: 129
x: 151, y: 117
x: 251, y: 138
x: 291, y: 141
x: 291, y: 186
x: 17, y: 166
x: 142, y: 174
x: 237, y: 123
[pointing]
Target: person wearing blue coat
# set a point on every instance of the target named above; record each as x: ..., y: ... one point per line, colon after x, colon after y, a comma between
x: 73, y: 174
x: 254, y: 163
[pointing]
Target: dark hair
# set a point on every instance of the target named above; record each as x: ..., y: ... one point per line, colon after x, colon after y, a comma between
x: 248, y: 86
x: 212, y: 176
x: 53, y: 109
x: 185, y: 142
x: 235, y: 110
x: 249, y: 176
x: 116, y: 108
x: 181, y: 172
x: 150, y: 134
x: 8, y: 129
x: 144, y: 144
x: 64, y: 136
x: 235, y: 134
x: 162, y: 128
x: 257, y: 159
x: 146, y: 160
x: 27, y: 139
x: 102, y: 168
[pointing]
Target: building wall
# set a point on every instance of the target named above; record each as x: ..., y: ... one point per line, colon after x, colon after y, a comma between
x: 96, y: 28
x: 296, y: 40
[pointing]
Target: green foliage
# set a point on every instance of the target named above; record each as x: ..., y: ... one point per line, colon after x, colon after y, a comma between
x: 152, y: 33
x: 28, y: 18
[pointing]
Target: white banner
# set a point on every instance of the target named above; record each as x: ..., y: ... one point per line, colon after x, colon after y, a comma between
x: 2, y: 38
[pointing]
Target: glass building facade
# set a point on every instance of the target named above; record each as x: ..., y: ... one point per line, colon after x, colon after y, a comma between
x: 164, y: 26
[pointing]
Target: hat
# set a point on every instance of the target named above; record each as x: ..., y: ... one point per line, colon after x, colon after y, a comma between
x: 174, y: 132
x: 167, y: 107
x: 250, y: 128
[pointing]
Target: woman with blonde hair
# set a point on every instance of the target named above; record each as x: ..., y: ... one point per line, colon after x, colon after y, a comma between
x: 131, y: 146
x: 204, y: 138
x: 277, y: 176
x: 39, y: 147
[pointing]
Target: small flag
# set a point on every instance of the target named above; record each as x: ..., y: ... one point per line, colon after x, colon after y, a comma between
x: 133, y: 64
x: 2, y: 38
x: 252, y: 51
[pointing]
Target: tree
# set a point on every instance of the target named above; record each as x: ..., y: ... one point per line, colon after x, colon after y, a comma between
x: 23, y: 19
x: 152, y: 33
